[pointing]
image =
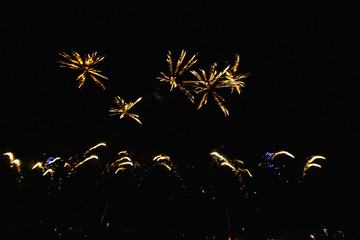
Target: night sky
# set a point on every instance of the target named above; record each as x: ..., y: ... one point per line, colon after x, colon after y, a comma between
x: 301, y: 96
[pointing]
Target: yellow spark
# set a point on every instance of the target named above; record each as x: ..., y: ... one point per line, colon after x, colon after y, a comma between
x: 120, y: 166
x: 85, y: 65
x: 226, y: 162
x: 239, y: 161
x: 12, y: 160
x: 122, y: 159
x: 235, y: 79
x: 222, y: 158
x: 313, y: 158
x: 124, y: 109
x: 85, y: 160
x: 228, y: 165
x: 16, y: 162
x: 161, y: 157
x: 209, y: 84
x: 48, y: 171
x: 310, y: 163
x: 94, y: 147
x: 284, y: 152
x: 179, y: 70
x: 167, y: 166
x: 38, y: 165
x: 247, y: 170
x: 67, y: 165
x: 10, y: 155
x: 121, y: 162
x: 125, y: 163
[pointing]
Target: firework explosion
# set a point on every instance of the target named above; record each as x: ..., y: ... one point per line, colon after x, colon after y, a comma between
x: 173, y: 78
x: 206, y: 84
x: 124, y: 108
x: 15, y: 165
x: 84, y: 65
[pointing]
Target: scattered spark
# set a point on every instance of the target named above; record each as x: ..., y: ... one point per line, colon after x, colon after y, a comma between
x: 85, y: 160
x: 209, y: 84
x: 124, y: 108
x: 94, y: 147
x: 313, y: 158
x: 85, y: 65
x: 48, y: 171
x: 216, y: 154
x: 228, y: 165
x: 10, y: 155
x: 283, y: 152
x: 232, y: 164
x: 178, y: 71
x: 234, y: 78
x: 121, y: 163
x: 310, y: 163
x: 161, y: 157
x: 15, y: 164
x: 247, y: 171
x: 38, y: 165
x: 163, y: 160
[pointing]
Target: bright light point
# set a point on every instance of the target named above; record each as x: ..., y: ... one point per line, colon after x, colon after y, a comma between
x: 10, y: 155
x: 16, y: 162
x: 284, y: 152
x: 313, y: 158
x: 38, y: 164
x: 48, y: 171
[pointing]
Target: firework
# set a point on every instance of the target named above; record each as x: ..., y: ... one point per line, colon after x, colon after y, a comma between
x: 283, y: 152
x: 38, y: 165
x: 207, y: 85
x: 84, y: 65
x: 228, y: 165
x: 94, y: 147
x: 232, y: 164
x: 313, y: 158
x: 124, y: 109
x: 310, y: 163
x: 163, y: 160
x: 177, y: 72
x: 84, y: 161
x: 122, y: 163
x: 235, y: 79
x: 15, y: 164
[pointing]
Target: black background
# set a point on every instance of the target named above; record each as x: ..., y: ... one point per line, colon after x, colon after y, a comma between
x: 301, y: 96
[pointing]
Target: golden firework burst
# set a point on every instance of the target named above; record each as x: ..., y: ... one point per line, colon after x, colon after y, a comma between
x: 235, y: 79
x: 208, y: 84
x: 180, y: 68
x: 124, y: 109
x: 85, y: 65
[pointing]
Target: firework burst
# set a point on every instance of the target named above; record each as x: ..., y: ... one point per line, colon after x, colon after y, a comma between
x: 163, y: 160
x: 15, y: 164
x: 84, y: 65
x: 236, y: 166
x: 122, y: 163
x: 310, y: 163
x: 124, y: 109
x: 208, y: 84
x: 235, y: 79
x: 180, y: 68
